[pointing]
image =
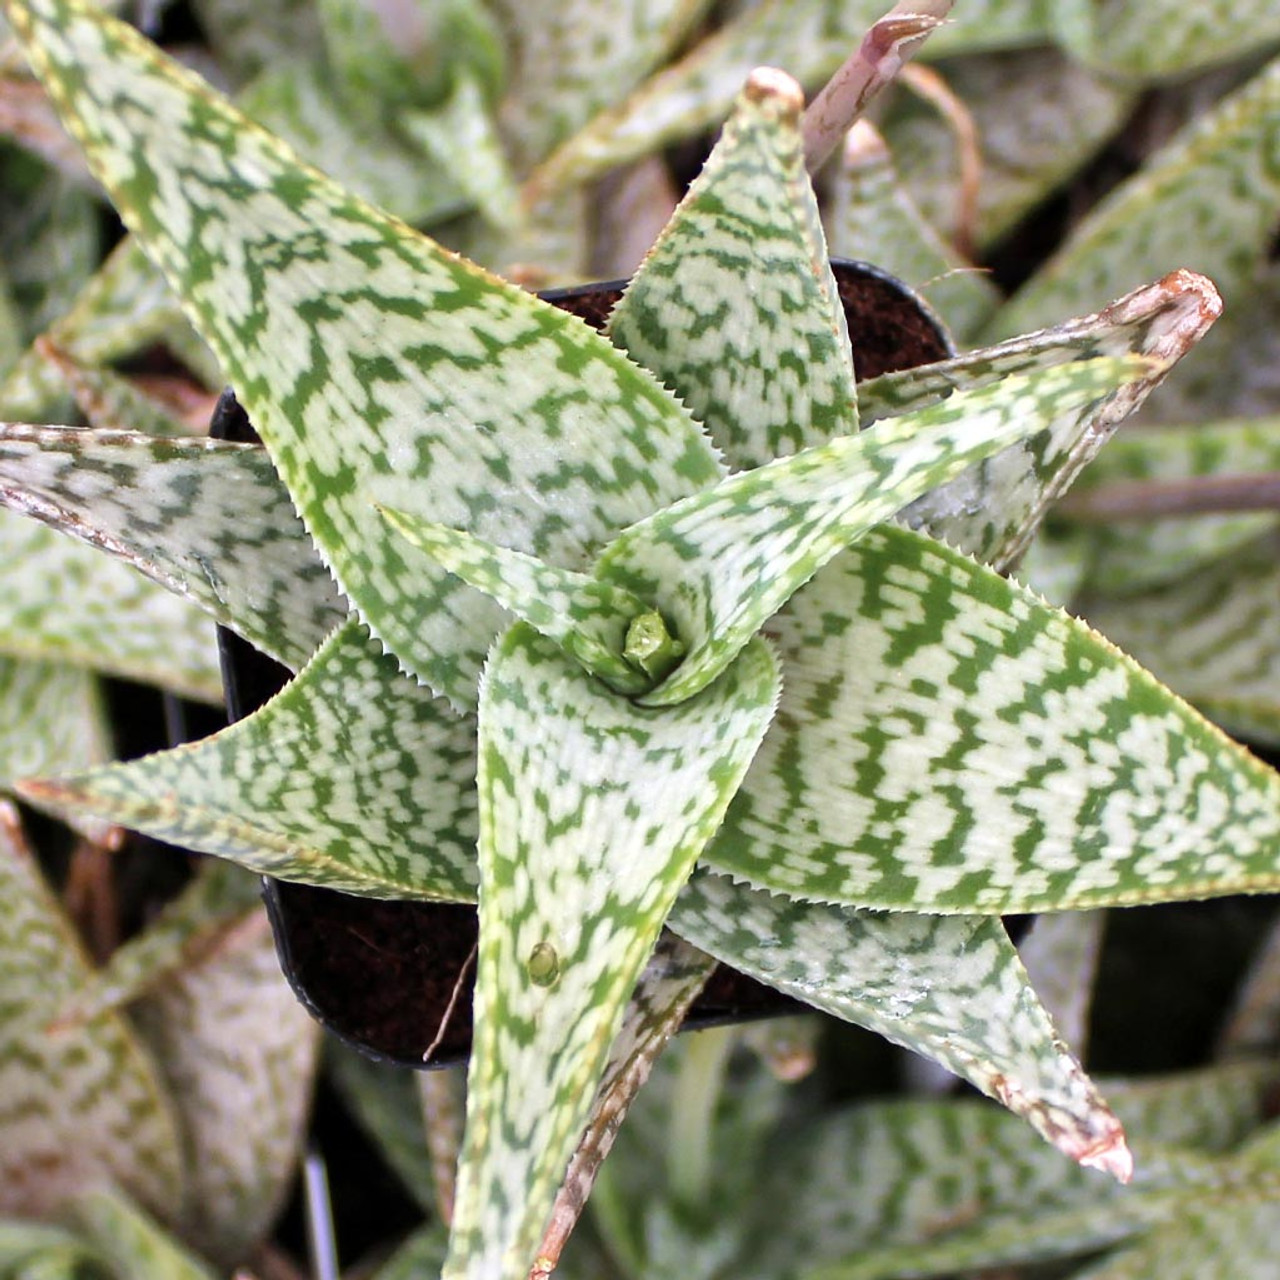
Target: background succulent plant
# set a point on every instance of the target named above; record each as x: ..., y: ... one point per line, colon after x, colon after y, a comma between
x: 433, y: 428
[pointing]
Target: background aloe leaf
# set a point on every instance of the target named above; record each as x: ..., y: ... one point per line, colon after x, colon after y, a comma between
x: 735, y: 307
x: 871, y: 216
x: 952, y: 990
x: 48, y: 1253
x: 1252, y: 1024
x: 664, y: 992
x: 363, y: 329
x: 79, y: 1108
x: 1212, y: 636
x: 248, y: 37
x: 959, y: 746
x: 1039, y: 116
x: 720, y: 563
x: 946, y: 1186
x: 133, y: 1242
x: 207, y: 520
x: 993, y: 510
x: 1061, y: 955
x: 353, y: 777
x: 51, y: 717
x: 1207, y: 201
x: 64, y: 602
x: 1128, y: 555
x: 1151, y: 41
x: 592, y: 812
x: 238, y: 1053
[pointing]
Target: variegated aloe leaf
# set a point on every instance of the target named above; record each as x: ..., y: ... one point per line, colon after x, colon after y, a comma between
x: 81, y: 1107
x: 1214, y: 636
x: 353, y: 777
x: 1128, y: 554
x: 735, y: 308
x: 50, y: 1253
x: 248, y: 37
x: 808, y: 38
x: 592, y: 811
x: 64, y: 602
x: 135, y: 1245
x: 1206, y: 201
x: 993, y: 510
x: 956, y: 745
x: 1061, y: 958
x: 357, y: 329
x: 720, y: 563
x: 1155, y: 40
x: 871, y: 216
x: 952, y: 990
x: 208, y: 520
x: 238, y: 1053
x: 51, y: 717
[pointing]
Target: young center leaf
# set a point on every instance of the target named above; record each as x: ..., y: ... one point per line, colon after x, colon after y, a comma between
x: 377, y: 367
x: 592, y: 811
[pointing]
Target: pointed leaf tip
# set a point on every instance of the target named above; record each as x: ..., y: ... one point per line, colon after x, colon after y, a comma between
x: 1112, y: 1155
x: 769, y: 86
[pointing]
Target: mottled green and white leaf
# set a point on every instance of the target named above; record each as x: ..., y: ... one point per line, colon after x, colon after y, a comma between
x: 947, y: 742
x: 207, y: 520
x: 353, y: 777
x: 79, y: 1108
x: 1060, y: 955
x: 735, y: 308
x: 592, y: 813
x: 342, y: 324
x: 61, y: 601
x: 51, y: 717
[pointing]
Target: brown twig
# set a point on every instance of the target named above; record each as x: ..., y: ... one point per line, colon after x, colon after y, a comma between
x: 1156, y: 499
x: 873, y: 65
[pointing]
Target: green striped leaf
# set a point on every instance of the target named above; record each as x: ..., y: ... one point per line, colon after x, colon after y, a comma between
x: 238, y: 1053
x: 353, y: 777
x: 343, y: 325
x: 78, y: 1108
x: 64, y: 602
x: 952, y: 990
x: 946, y: 742
x: 718, y: 565
x: 592, y: 811
x: 1213, y: 636
x: 207, y: 520
x: 735, y: 307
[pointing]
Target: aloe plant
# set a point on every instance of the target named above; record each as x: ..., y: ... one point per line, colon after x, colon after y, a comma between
x: 677, y: 625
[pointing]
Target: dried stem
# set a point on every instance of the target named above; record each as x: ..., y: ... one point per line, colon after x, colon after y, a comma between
x: 874, y: 64
x: 1154, y: 499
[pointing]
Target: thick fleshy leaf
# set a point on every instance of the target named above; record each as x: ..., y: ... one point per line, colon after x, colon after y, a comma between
x: 1038, y: 116
x: 208, y: 520
x: 238, y: 1053
x: 81, y: 1107
x: 994, y: 509
x: 947, y: 742
x: 735, y: 307
x: 592, y: 812
x: 248, y: 36
x: 51, y: 717
x: 947, y: 1186
x: 353, y: 777
x: 1207, y: 201
x: 719, y: 564
x: 341, y: 324
x: 135, y: 1245
x: 48, y: 1253
x: 1128, y: 554
x: 64, y: 602
x: 871, y: 216
x: 952, y: 990
x: 1213, y: 636
x: 1061, y: 958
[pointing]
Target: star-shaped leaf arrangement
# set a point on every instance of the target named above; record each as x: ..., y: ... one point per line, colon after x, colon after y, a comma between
x: 633, y: 645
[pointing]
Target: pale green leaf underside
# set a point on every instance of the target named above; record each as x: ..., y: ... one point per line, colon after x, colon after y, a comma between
x: 587, y: 618
x: 592, y: 812
x: 946, y: 742
x: 377, y: 367
x: 719, y: 564
x: 67, y: 603
x: 353, y: 777
x: 950, y: 989
x: 735, y: 308
x: 207, y: 520
x: 77, y: 1107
